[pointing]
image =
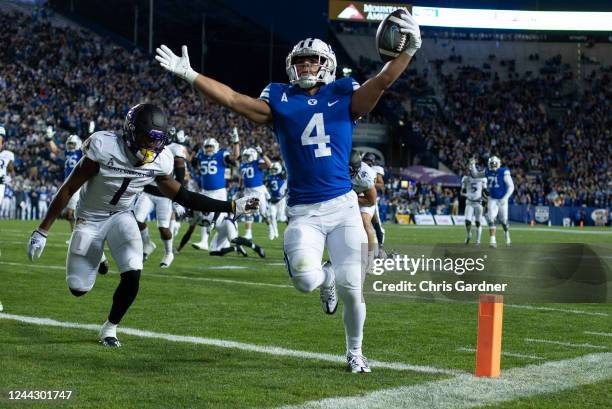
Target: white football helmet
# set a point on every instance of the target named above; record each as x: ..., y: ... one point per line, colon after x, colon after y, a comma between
x: 327, y: 63
x: 73, y: 143
x: 180, y: 136
x: 494, y: 163
x: 249, y: 155
x: 276, y: 168
x: 2, y: 131
x: 211, y: 142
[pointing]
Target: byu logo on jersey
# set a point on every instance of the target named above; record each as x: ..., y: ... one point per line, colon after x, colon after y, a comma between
x: 312, y: 101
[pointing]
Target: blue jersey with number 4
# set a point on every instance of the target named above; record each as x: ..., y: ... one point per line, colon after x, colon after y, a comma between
x: 212, y: 169
x: 315, y: 134
x: 251, y: 174
x: 72, y: 158
x: 495, y: 182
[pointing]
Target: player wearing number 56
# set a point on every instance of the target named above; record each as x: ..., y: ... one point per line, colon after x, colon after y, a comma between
x: 114, y: 169
x: 313, y: 119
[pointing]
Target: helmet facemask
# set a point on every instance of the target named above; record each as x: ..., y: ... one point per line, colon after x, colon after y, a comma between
x: 326, y: 61
x: 494, y: 163
x: 145, y: 144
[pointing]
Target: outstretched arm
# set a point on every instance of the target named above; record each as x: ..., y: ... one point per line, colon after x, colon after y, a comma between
x: 252, y: 108
x: 366, y: 97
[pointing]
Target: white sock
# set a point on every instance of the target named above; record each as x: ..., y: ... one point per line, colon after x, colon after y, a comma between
x: 145, y: 236
x: 329, y: 275
x: 204, y: 235
x: 172, y: 226
x: 177, y: 229
x: 103, y: 259
x: 248, y: 233
x: 167, y: 246
x: 478, y: 233
x: 353, y: 315
x: 108, y: 330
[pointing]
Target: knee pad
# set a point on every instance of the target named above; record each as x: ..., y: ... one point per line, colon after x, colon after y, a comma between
x: 306, y: 282
x: 477, y: 224
x: 469, y: 223
x: 77, y: 293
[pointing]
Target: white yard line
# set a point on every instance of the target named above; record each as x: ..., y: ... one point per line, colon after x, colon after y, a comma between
x: 468, y: 391
x: 504, y: 353
x: 260, y: 284
x: 263, y: 349
x: 602, y: 334
x: 565, y: 344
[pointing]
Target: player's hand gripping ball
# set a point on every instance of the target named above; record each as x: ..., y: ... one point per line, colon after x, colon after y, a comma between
x: 397, y: 33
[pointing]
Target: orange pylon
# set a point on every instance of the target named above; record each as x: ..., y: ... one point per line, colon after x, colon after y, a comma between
x: 488, y: 348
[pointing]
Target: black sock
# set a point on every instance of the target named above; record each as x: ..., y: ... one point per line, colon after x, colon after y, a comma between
x: 124, y: 296
x: 185, y: 238
x: 380, y: 236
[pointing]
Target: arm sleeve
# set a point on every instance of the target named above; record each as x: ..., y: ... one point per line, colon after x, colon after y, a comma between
x: 196, y: 201
x: 265, y: 94
x: 510, y: 184
x: 179, y: 174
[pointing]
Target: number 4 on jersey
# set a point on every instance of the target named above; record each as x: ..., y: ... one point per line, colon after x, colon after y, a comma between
x: 320, y: 139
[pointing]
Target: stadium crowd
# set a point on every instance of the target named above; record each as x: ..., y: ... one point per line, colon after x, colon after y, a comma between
x: 60, y: 81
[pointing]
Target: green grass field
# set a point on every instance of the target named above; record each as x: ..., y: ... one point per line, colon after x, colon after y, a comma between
x: 236, y: 309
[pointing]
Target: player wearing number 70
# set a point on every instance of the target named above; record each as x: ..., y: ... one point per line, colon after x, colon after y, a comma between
x: 313, y: 122
x: 113, y: 171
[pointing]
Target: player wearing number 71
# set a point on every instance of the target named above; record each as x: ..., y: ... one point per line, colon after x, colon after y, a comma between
x: 313, y: 122
x: 113, y: 171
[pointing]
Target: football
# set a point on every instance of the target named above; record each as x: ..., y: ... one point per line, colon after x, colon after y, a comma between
x: 389, y: 41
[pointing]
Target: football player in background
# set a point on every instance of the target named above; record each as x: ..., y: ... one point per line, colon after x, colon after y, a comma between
x: 153, y: 199
x: 473, y: 190
x: 370, y: 159
x: 112, y: 172
x: 7, y: 158
x: 277, y: 187
x: 252, y: 165
x: 211, y: 163
x: 313, y: 118
x: 363, y: 178
x: 500, y: 187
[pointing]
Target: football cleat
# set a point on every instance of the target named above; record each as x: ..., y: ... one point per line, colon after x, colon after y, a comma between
x: 357, y: 363
x: 271, y: 234
x: 329, y: 299
x: 110, y: 342
x: 148, y: 249
x: 103, y: 267
x: 493, y: 244
x: 467, y: 239
x: 167, y: 260
x: 201, y: 245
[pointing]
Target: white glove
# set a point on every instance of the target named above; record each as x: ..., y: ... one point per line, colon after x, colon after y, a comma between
x: 235, y: 138
x: 179, y: 210
x: 178, y: 66
x: 245, y: 205
x: 259, y: 150
x: 408, y: 25
x: 36, y: 245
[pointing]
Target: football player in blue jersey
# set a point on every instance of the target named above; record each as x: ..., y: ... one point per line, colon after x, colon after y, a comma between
x: 500, y: 187
x: 211, y: 163
x: 252, y: 165
x: 275, y: 182
x: 72, y: 156
x: 313, y: 118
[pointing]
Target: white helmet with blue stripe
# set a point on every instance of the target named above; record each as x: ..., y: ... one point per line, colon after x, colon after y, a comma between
x: 312, y: 47
x: 494, y: 163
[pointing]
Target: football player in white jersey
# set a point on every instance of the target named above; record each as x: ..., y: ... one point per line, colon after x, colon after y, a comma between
x: 370, y: 159
x: 152, y: 199
x: 113, y: 171
x: 364, y: 179
x: 6, y: 163
x: 473, y: 190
